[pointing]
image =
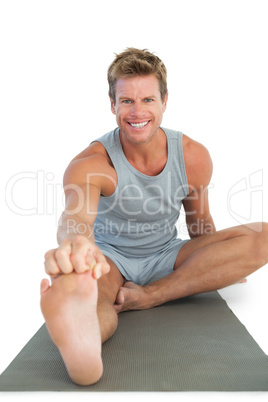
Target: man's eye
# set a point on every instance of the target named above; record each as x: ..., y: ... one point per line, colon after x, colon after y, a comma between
x: 148, y: 100
x: 127, y: 101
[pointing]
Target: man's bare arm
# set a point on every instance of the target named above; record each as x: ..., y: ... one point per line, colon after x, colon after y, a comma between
x: 77, y: 250
x: 80, y: 213
x: 199, y: 169
x: 198, y: 218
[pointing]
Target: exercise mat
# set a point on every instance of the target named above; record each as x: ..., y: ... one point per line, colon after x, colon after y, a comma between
x: 191, y: 344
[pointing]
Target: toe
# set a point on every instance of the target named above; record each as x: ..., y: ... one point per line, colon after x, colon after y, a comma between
x: 44, y: 286
x: 118, y: 307
x: 120, y: 297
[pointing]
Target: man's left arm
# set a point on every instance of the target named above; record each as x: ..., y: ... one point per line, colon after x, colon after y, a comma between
x: 199, y: 169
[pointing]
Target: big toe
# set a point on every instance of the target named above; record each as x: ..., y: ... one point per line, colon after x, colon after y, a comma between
x: 120, y: 297
x: 44, y: 286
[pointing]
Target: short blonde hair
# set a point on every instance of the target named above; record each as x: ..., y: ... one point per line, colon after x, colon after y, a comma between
x: 134, y: 62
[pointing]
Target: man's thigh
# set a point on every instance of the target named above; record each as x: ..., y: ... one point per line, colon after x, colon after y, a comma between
x: 205, y: 240
x: 109, y: 284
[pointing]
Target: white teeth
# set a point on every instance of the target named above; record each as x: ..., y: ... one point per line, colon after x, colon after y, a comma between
x: 138, y: 125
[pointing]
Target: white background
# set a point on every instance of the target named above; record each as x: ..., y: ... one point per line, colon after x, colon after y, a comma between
x: 53, y: 95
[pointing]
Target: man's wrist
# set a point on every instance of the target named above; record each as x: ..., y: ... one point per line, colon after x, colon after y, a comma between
x: 78, y: 229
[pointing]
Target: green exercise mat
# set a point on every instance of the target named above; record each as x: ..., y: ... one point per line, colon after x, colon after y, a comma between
x: 192, y: 344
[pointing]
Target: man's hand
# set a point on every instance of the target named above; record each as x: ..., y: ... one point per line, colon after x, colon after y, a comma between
x: 76, y: 255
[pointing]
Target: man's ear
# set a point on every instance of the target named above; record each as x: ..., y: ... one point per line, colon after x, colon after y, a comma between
x: 165, y: 102
x: 112, y: 106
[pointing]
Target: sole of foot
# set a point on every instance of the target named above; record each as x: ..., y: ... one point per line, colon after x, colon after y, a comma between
x: 69, y: 307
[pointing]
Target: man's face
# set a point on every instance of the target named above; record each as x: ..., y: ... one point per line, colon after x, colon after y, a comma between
x: 138, y: 108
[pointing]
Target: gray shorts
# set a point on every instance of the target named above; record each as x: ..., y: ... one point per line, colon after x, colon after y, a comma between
x: 144, y: 270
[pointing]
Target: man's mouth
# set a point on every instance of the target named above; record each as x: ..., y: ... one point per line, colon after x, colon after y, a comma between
x: 139, y: 125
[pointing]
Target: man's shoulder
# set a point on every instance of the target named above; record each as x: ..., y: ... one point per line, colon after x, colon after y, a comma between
x: 195, y: 154
x: 198, y: 162
x: 193, y: 147
x: 94, y: 149
x: 93, y: 160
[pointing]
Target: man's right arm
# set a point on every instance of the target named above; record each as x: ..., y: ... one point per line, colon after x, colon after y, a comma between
x: 77, y: 250
x: 80, y: 212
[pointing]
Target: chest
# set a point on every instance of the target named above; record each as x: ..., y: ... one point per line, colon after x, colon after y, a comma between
x: 153, y: 168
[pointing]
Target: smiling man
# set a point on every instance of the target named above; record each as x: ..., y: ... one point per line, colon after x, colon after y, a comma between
x: 118, y: 243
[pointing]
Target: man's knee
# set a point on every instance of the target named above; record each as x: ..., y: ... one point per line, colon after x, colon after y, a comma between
x: 259, y: 242
x: 109, y: 284
x: 263, y: 246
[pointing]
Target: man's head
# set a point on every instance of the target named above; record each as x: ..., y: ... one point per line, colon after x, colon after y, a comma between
x: 135, y: 62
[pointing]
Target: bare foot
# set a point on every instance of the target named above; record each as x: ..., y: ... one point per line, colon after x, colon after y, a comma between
x: 132, y: 297
x: 69, y: 307
x: 136, y: 297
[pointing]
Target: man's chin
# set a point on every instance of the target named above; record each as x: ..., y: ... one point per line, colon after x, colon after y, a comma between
x: 140, y: 136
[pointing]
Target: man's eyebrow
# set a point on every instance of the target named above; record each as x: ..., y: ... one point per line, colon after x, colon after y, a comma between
x: 124, y: 97
x: 146, y: 97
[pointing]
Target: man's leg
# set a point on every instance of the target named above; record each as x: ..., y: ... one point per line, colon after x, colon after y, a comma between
x: 80, y: 316
x: 108, y: 286
x: 204, y: 264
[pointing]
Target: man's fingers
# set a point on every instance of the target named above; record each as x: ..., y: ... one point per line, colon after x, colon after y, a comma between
x: 62, y: 257
x: 102, y: 267
x: 77, y: 255
x: 90, y: 260
x: 97, y: 271
x: 58, y: 260
x: 51, y: 266
x: 82, y: 259
x: 100, y: 257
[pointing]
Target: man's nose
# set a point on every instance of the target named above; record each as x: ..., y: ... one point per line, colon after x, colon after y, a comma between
x: 137, y: 109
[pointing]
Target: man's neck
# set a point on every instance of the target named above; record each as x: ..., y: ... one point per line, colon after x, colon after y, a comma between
x: 149, y: 158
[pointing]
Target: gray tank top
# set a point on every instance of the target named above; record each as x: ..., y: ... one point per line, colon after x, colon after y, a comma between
x: 140, y: 217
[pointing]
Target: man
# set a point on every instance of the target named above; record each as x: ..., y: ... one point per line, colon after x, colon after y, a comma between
x: 118, y: 246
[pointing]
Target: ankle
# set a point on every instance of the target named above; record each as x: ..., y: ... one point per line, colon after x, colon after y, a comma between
x: 157, y: 294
